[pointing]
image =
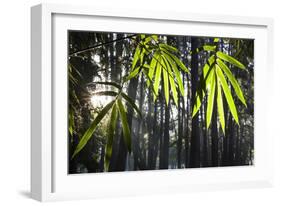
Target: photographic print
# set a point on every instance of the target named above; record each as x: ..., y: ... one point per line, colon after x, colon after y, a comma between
x: 151, y: 102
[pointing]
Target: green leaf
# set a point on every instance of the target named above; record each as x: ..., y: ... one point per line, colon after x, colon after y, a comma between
x: 220, y: 107
x: 169, y: 48
x: 72, y: 79
x: 166, y: 85
x: 216, y: 40
x: 111, y: 131
x: 208, y: 72
x: 176, y: 72
x: 132, y: 103
x: 204, y: 83
x: 180, y: 64
x: 71, y: 121
x: 142, y: 56
x: 209, y: 63
x: 154, y: 37
x: 227, y: 94
x: 172, y: 82
x: 233, y: 81
x: 230, y: 59
x: 199, y: 95
x: 125, y: 125
x: 206, y: 48
x: 210, y: 100
x: 157, y: 78
x: 207, y: 69
x: 145, y: 72
x: 109, y: 84
x: 88, y: 134
x: 209, y: 48
x: 152, y: 67
x: 136, y: 57
x: 133, y: 73
x: 147, y: 39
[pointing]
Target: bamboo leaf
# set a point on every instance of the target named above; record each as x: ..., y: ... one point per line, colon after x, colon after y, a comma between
x: 232, y: 80
x: 177, y: 61
x: 142, y: 37
x: 154, y: 37
x: 152, y: 68
x: 230, y: 59
x: 157, y: 78
x: 125, y: 125
x: 145, y: 72
x: 133, y: 73
x: 166, y: 85
x: 136, y: 57
x: 209, y: 48
x: 88, y: 134
x: 199, y: 95
x: 216, y: 40
x: 208, y: 72
x: 147, y: 39
x: 206, y: 48
x: 172, y: 82
x: 169, y: 48
x: 220, y: 106
x: 142, y: 56
x: 180, y: 64
x: 227, y: 94
x: 71, y: 122
x: 111, y: 131
x: 176, y: 72
x: 210, y: 101
x: 132, y: 103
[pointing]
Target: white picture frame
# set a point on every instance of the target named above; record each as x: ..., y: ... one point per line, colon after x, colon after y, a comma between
x: 49, y: 178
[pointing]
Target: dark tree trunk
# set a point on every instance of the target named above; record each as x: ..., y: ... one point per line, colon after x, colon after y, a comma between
x: 162, y: 105
x: 132, y: 88
x: 166, y: 138
x: 180, y: 125
x: 214, y: 136
x: 195, y: 136
x: 150, y: 128
x: 155, y: 137
x: 204, y: 137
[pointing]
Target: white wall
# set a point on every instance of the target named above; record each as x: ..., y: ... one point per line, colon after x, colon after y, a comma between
x: 15, y: 95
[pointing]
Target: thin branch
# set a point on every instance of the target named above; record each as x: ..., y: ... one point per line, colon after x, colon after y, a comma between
x: 99, y: 45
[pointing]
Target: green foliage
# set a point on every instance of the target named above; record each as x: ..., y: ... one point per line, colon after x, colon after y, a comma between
x: 227, y: 93
x: 74, y: 78
x: 230, y: 59
x: 131, y: 102
x: 205, y: 80
x: 116, y: 106
x: 213, y: 82
x: 88, y: 134
x: 220, y: 106
x: 232, y: 80
x: 71, y: 121
x: 163, y: 67
x: 125, y: 125
x: 211, y: 97
x: 111, y: 131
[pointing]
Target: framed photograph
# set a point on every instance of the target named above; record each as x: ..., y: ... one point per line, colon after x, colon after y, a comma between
x: 138, y: 102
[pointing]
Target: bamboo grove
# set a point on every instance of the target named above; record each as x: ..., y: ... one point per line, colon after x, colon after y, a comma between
x: 145, y: 102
